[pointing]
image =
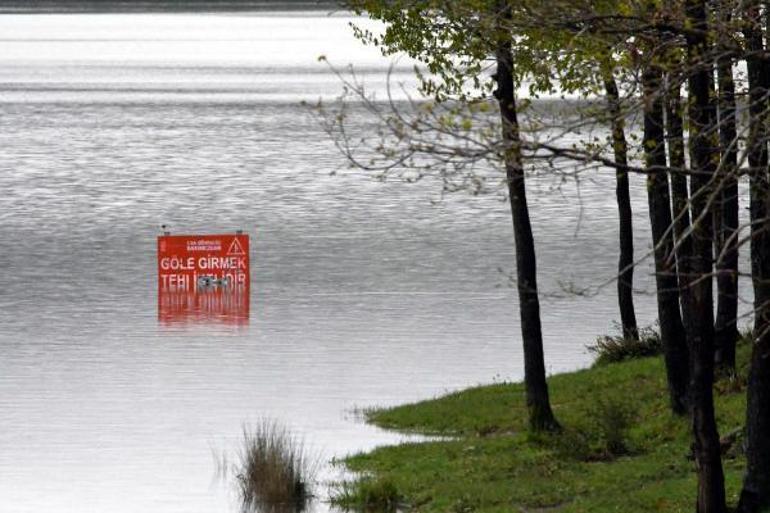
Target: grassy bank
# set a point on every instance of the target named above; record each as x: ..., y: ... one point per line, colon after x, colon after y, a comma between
x: 621, y: 449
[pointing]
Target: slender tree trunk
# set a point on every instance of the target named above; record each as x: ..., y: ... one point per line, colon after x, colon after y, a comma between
x: 680, y: 196
x: 698, y: 299
x: 541, y: 417
x: 757, y: 154
x: 755, y: 495
x: 669, y: 317
x: 726, y: 327
x: 680, y: 203
x: 626, y: 229
x: 676, y: 159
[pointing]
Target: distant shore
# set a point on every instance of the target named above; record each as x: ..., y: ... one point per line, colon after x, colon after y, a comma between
x: 158, y: 6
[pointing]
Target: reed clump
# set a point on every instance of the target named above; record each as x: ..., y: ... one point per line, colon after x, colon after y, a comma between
x: 610, y: 349
x: 274, y: 472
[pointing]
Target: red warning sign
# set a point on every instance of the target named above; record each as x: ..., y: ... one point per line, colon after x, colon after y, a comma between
x: 203, y: 278
x: 202, y: 262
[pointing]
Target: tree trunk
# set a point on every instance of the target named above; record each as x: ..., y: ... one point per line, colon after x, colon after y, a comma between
x: 698, y: 303
x: 676, y: 160
x: 626, y: 229
x: 541, y: 417
x: 755, y: 495
x: 680, y: 196
x: 671, y: 328
x: 726, y: 327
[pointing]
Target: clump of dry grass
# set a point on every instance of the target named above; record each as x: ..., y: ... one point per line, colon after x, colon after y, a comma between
x: 274, y: 471
x: 609, y: 349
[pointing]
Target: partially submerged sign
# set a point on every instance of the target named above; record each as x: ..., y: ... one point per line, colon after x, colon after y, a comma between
x: 203, y: 277
x: 218, y: 305
x: 196, y: 262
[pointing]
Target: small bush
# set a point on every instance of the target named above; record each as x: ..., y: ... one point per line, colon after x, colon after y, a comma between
x: 274, y: 472
x: 368, y: 494
x: 610, y: 349
x: 572, y: 443
x: 601, y: 435
x: 613, y: 418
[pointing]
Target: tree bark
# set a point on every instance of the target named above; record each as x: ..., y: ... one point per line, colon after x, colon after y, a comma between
x: 676, y: 159
x: 698, y: 302
x: 755, y: 495
x: 669, y: 316
x: 626, y: 229
x: 726, y: 327
x: 680, y: 195
x: 541, y: 417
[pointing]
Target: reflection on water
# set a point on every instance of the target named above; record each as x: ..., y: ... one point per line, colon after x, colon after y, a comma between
x: 227, y: 305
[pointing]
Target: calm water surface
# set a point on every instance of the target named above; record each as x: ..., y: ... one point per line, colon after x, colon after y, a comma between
x: 363, y: 293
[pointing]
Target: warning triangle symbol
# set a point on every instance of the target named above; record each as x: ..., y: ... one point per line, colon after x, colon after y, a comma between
x: 236, y: 248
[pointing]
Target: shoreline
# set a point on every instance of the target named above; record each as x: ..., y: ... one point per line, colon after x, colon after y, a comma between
x: 621, y: 449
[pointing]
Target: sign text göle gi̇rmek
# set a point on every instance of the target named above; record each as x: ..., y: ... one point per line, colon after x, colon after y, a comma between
x: 203, y: 277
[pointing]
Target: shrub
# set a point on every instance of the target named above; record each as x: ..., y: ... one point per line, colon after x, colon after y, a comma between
x: 572, y: 443
x: 602, y: 434
x: 613, y: 418
x: 274, y: 472
x: 610, y: 349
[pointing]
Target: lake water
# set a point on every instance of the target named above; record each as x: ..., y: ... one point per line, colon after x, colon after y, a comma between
x: 363, y: 292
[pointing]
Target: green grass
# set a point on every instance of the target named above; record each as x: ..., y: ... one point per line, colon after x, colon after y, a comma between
x: 493, y: 464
